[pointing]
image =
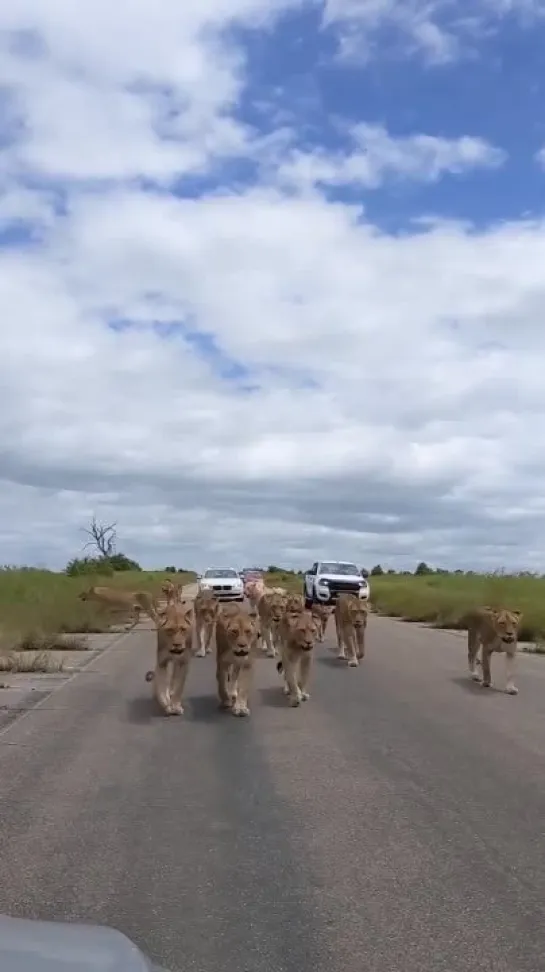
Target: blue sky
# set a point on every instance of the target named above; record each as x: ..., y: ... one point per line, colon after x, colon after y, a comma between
x: 271, y: 278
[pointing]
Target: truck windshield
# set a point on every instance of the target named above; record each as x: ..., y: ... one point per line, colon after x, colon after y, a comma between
x: 333, y: 568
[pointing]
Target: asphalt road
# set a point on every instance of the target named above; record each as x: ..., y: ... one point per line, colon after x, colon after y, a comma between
x: 394, y: 822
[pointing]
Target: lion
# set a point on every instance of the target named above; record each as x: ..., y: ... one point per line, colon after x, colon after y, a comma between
x: 299, y: 634
x: 206, y: 613
x: 350, y: 623
x: 237, y: 634
x: 271, y: 611
x: 322, y: 613
x: 174, y: 650
x: 493, y: 630
x: 138, y: 602
x: 294, y: 604
x: 170, y: 591
x: 254, y: 591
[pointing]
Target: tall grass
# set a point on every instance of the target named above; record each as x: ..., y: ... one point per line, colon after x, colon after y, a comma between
x: 35, y: 604
x: 444, y: 600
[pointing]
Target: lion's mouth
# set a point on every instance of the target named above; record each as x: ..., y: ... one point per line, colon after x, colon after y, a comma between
x: 508, y: 639
x: 240, y: 652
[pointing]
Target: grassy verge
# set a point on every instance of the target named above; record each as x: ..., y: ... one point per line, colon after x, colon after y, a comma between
x: 36, y: 606
x: 42, y: 662
x: 443, y: 601
x: 277, y: 578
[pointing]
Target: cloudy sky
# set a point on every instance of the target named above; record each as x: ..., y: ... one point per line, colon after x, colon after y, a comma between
x: 272, y: 280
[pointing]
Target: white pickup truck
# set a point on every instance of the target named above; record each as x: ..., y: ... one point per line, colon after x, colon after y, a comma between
x: 328, y: 578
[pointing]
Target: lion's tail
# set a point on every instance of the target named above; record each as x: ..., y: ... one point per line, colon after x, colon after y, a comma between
x: 149, y: 676
x: 279, y: 667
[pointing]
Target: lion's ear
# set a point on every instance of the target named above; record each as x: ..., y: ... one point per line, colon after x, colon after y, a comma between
x: 518, y: 614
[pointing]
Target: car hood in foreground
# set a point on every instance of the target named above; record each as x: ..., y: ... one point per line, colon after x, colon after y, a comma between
x: 28, y: 945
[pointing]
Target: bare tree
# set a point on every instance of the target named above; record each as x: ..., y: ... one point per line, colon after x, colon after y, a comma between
x: 102, y: 537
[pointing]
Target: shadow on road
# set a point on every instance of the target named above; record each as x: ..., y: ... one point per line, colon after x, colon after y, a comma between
x: 474, y: 687
x: 273, y: 696
x: 330, y: 661
x: 143, y: 709
x: 204, y: 708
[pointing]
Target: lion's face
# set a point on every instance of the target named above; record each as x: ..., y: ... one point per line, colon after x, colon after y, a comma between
x: 357, y: 613
x: 506, y: 625
x: 294, y: 604
x: 304, y: 631
x: 276, y: 607
x: 175, y: 625
x: 241, y: 631
x: 321, y: 611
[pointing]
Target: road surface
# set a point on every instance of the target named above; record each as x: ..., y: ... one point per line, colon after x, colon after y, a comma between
x: 394, y: 822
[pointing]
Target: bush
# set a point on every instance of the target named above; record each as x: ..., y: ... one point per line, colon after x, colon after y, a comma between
x: 119, y: 561
x: 80, y: 566
x: 104, y: 566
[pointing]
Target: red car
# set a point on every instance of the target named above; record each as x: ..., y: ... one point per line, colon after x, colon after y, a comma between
x: 251, y: 574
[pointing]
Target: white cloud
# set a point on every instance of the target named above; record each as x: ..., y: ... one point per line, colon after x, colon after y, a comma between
x: 540, y: 158
x: 439, y: 31
x: 372, y: 396
x: 378, y: 156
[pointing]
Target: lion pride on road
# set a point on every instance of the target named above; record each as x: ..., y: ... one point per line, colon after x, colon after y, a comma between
x: 173, y: 655
x: 494, y: 631
x: 236, y: 649
x: 271, y: 610
x: 279, y: 620
x: 206, y: 614
x: 299, y: 634
x: 350, y: 624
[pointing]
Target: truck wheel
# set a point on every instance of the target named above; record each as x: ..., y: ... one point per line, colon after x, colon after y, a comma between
x: 308, y: 602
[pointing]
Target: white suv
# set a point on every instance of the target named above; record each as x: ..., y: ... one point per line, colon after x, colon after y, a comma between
x: 327, y: 579
x: 225, y: 582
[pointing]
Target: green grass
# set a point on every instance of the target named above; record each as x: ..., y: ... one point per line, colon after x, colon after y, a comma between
x: 444, y: 600
x: 279, y: 578
x: 36, y: 605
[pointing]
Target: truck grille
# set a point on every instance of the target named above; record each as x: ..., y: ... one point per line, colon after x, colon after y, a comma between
x: 343, y: 587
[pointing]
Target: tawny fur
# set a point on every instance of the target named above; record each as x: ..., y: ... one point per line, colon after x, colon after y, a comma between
x: 137, y: 602
x: 493, y: 630
x: 236, y: 647
x: 322, y: 613
x: 271, y: 611
x: 350, y: 624
x: 206, y: 613
x: 254, y: 591
x: 174, y: 650
x: 169, y: 591
x: 299, y: 633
